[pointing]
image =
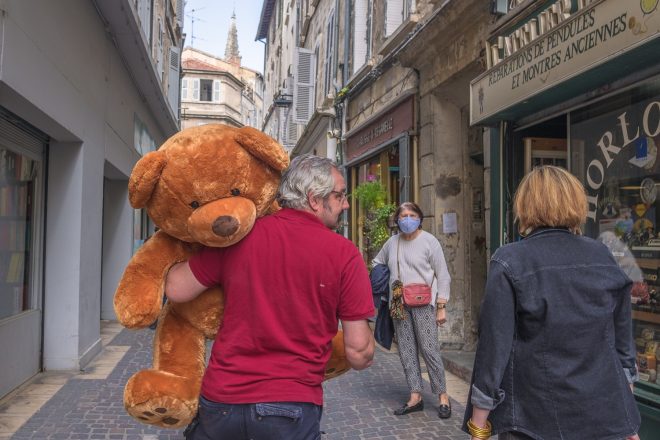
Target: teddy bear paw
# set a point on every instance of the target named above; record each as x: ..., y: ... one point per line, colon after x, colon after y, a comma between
x: 161, y: 399
x: 166, y: 412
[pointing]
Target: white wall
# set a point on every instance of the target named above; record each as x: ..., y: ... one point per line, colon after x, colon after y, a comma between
x: 61, y: 72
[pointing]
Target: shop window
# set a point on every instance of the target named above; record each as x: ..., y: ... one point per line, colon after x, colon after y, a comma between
x: 614, y: 151
x: 383, y: 170
x: 17, y: 193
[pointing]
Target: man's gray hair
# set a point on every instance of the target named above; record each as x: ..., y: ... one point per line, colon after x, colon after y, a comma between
x: 307, y: 174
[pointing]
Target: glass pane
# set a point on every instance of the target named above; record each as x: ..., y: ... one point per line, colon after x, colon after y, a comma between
x: 17, y: 175
x: 614, y: 151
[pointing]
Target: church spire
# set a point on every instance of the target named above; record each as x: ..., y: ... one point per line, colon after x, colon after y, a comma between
x: 231, y: 50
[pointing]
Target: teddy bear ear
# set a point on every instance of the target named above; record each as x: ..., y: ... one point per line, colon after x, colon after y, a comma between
x: 263, y: 147
x: 144, y: 177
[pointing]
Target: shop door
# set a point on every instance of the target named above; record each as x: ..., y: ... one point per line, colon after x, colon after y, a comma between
x: 21, y: 231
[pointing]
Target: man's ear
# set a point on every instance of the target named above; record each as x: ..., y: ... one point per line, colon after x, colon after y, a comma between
x: 314, y: 202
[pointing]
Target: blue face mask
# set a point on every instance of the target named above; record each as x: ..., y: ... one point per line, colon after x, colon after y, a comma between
x: 408, y: 225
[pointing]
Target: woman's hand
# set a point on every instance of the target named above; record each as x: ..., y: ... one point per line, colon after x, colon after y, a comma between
x: 440, y: 316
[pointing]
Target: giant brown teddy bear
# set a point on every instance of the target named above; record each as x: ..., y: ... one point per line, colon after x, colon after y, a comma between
x: 205, y: 185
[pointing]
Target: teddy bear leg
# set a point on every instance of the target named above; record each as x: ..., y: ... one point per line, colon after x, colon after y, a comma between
x: 337, y: 364
x: 167, y: 394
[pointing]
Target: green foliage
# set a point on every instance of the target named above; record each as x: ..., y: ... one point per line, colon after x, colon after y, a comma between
x: 372, y: 196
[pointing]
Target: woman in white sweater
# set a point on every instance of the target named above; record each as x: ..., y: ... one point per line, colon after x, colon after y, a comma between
x: 415, y: 256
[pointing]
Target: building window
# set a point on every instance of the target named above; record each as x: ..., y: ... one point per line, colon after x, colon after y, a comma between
x: 206, y: 90
x: 18, y: 174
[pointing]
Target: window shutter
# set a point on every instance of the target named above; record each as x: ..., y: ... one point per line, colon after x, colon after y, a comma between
x: 303, y: 93
x: 179, y: 12
x: 196, y: 89
x: 281, y: 130
x: 159, y: 52
x: 173, y: 79
x: 184, y: 89
x: 329, y: 54
x: 144, y: 14
x: 291, y: 130
x: 216, y: 90
x: 394, y: 16
x: 360, y: 32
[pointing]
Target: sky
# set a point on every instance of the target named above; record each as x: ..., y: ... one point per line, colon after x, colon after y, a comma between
x: 211, y: 25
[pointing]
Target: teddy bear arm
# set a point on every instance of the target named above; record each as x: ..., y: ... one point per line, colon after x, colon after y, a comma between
x: 139, y: 295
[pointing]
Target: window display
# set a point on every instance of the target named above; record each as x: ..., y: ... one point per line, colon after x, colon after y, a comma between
x: 17, y: 173
x: 614, y: 149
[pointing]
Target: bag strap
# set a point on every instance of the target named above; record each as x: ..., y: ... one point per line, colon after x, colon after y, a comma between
x: 398, y: 268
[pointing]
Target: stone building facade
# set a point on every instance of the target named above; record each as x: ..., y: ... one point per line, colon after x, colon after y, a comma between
x: 390, y: 102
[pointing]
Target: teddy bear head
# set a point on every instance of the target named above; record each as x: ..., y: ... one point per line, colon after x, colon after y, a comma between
x: 208, y: 184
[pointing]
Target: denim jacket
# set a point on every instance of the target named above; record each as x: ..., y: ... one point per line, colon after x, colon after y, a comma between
x: 556, y: 352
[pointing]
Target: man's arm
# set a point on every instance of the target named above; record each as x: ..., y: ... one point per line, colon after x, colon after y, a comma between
x: 181, y: 285
x: 358, y: 343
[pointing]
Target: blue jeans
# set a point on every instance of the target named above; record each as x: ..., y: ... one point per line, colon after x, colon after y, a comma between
x: 255, y: 421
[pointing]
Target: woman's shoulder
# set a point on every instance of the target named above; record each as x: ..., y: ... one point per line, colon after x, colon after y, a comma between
x: 431, y: 239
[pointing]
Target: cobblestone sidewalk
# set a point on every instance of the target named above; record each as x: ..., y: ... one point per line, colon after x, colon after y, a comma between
x: 358, y: 405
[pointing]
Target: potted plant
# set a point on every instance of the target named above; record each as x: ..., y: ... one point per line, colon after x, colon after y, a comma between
x: 372, y: 198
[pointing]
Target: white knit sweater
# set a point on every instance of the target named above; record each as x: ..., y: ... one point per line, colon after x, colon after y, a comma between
x: 421, y: 260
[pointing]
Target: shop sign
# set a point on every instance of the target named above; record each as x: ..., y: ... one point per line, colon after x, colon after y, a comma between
x: 595, y: 34
x: 387, y: 126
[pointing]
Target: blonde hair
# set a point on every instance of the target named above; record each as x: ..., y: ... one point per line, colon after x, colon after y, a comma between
x: 550, y: 196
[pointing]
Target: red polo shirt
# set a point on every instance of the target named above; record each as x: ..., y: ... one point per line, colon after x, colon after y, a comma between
x: 286, y: 283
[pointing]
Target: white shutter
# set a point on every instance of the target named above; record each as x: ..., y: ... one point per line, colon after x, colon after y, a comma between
x: 144, y: 14
x: 184, y: 89
x: 216, y: 90
x: 360, y: 33
x: 329, y: 54
x: 303, y: 93
x: 159, y: 52
x: 394, y: 16
x: 281, y: 131
x: 179, y: 12
x: 291, y: 130
x: 173, y: 79
x: 196, y: 89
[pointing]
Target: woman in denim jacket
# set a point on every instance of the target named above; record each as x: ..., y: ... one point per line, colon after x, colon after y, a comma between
x: 556, y: 356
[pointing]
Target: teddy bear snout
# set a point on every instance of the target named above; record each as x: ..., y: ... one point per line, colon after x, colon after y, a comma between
x: 225, y: 226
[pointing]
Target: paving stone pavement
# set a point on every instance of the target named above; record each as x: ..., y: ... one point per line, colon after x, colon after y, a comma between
x: 358, y: 405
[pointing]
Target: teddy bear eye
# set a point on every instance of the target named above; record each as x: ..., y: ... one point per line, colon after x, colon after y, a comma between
x: 235, y: 192
x: 194, y: 205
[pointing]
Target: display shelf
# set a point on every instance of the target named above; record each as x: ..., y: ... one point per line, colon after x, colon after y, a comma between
x: 646, y: 316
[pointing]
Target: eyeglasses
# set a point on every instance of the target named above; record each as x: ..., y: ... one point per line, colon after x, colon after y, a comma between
x: 341, y: 195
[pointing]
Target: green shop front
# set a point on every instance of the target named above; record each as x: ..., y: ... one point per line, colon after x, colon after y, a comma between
x: 577, y: 84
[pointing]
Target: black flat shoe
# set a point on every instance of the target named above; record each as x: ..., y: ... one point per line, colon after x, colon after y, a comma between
x: 405, y: 409
x: 444, y: 411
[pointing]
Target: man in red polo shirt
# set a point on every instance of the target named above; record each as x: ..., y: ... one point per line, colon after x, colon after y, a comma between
x: 287, y: 283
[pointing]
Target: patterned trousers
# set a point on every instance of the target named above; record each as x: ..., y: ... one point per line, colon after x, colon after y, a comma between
x: 419, y: 332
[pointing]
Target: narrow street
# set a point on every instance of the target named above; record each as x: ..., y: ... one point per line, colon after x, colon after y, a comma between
x: 88, y: 405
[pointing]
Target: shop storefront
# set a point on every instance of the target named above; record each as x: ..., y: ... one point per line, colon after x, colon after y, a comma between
x: 380, y: 151
x: 22, y: 152
x: 583, y: 92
